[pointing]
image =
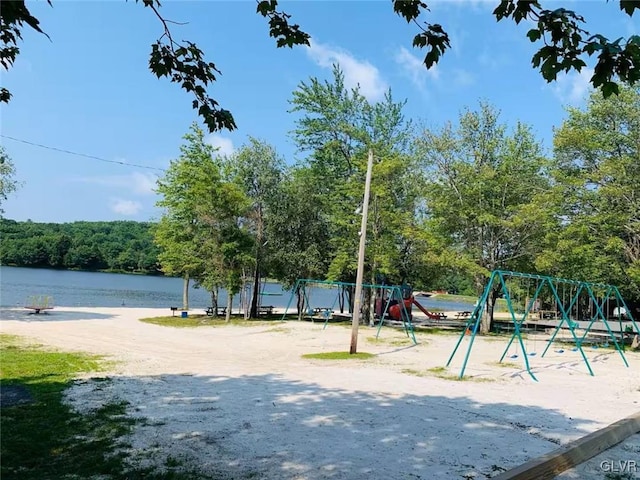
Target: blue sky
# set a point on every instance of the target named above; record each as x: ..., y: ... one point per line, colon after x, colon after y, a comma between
x: 89, y: 90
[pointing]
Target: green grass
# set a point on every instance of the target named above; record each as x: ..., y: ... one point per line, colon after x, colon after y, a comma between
x: 504, y: 364
x: 46, y: 439
x: 206, y: 321
x: 396, y: 342
x: 436, y: 331
x: 338, y: 355
x: 414, y: 372
x: 441, y: 372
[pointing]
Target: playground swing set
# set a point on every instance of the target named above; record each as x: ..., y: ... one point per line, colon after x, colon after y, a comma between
x: 392, y: 301
x: 594, y: 299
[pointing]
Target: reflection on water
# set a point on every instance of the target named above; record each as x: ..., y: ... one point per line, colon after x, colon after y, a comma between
x: 97, y: 289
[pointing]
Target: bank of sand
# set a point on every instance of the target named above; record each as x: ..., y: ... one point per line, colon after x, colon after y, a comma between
x: 242, y: 400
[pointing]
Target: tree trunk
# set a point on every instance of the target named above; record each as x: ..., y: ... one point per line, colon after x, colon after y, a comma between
x: 227, y: 317
x: 300, y: 303
x: 486, y: 325
x: 372, y: 299
x: 256, y: 278
x: 214, y: 302
x: 350, y: 299
x: 256, y: 290
x: 185, y: 292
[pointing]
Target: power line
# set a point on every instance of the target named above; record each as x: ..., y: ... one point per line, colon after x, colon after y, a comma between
x: 93, y: 157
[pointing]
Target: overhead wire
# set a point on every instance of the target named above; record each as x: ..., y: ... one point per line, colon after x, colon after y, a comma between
x: 92, y: 157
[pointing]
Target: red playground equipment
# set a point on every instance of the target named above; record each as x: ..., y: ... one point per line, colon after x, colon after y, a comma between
x: 395, y: 310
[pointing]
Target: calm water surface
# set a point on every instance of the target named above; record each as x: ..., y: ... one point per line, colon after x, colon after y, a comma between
x: 98, y: 289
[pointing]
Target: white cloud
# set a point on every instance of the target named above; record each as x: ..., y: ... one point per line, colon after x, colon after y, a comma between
x: 572, y: 88
x: 125, y: 207
x: 356, y: 72
x: 462, y: 78
x: 136, y: 182
x: 415, y: 69
x: 477, y: 5
x: 223, y: 144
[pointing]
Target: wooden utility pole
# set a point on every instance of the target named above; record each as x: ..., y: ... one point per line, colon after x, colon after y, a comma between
x: 355, y: 322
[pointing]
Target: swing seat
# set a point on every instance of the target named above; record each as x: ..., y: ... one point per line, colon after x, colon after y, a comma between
x: 560, y: 351
x: 514, y: 356
x: 532, y: 354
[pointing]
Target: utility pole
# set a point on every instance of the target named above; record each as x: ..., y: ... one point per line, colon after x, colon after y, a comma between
x: 355, y: 322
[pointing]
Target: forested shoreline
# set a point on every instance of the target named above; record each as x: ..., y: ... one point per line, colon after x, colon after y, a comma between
x: 114, y: 246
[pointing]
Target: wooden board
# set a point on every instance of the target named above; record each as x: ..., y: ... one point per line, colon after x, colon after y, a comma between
x: 552, y: 464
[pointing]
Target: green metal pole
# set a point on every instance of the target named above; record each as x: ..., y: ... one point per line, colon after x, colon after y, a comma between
x: 516, y: 327
x: 329, y: 314
x: 598, y: 311
x: 406, y: 319
x: 485, y: 295
x: 384, y: 313
x: 293, y: 292
x: 612, y: 335
x: 575, y: 338
x: 627, y: 309
x: 564, y: 314
x: 526, y: 313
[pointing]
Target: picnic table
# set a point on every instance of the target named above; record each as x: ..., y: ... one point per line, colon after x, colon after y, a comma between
x: 265, y: 309
x: 460, y: 315
x: 221, y: 311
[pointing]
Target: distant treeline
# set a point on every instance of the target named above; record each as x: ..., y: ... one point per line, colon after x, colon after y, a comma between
x: 119, y: 246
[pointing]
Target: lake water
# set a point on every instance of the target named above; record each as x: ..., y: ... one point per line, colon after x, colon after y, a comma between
x: 97, y: 289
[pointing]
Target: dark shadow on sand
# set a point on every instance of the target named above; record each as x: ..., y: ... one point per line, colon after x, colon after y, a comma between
x: 272, y: 427
x: 54, y: 315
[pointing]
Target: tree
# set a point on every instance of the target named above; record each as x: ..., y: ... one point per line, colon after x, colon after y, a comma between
x: 337, y: 128
x: 298, y: 231
x: 597, y: 199
x: 200, y: 233
x: 484, y: 193
x: 258, y: 169
x: 189, y: 180
x: 8, y: 183
x: 565, y: 44
x: 224, y: 244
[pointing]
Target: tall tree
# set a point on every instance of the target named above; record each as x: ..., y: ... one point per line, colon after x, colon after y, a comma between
x: 225, y: 244
x: 8, y: 183
x: 337, y: 127
x: 298, y: 231
x: 485, y: 192
x: 190, y: 181
x: 565, y: 45
x: 597, y: 173
x: 200, y: 233
x: 258, y: 170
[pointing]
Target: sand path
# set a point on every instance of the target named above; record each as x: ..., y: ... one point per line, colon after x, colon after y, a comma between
x: 243, y: 402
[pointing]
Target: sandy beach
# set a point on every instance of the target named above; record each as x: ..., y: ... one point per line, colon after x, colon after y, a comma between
x: 242, y: 402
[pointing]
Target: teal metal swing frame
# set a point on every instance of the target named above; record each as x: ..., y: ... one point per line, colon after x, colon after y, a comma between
x: 394, y: 292
x: 501, y: 276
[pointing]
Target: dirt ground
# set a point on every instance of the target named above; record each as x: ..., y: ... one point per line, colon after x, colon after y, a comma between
x: 242, y: 402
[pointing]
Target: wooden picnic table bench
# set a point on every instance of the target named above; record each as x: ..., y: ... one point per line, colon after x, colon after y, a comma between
x: 37, y: 309
x: 265, y: 309
x: 221, y: 311
x: 460, y: 315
